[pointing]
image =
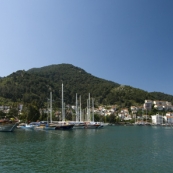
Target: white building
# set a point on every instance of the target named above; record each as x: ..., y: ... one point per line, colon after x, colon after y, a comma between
x: 148, y: 101
x: 148, y: 104
x: 169, y: 119
x: 158, y: 102
x: 169, y: 106
x: 124, y: 114
x: 134, y: 109
x: 157, y: 119
x: 169, y: 114
x: 159, y: 107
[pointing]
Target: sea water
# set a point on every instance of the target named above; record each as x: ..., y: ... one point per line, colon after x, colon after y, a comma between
x: 121, y: 149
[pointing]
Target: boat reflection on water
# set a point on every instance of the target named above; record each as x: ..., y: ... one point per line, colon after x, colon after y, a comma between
x: 86, y: 125
x: 58, y: 126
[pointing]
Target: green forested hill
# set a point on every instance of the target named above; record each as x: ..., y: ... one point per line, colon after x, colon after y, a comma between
x: 35, y: 85
x: 162, y: 96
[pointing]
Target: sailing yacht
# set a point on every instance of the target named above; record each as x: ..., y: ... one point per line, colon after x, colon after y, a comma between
x: 60, y: 125
x: 78, y: 124
x: 91, y: 124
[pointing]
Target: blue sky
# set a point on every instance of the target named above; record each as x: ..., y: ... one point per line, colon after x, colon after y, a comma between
x: 126, y: 41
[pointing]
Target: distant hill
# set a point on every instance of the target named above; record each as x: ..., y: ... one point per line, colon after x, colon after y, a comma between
x: 162, y: 96
x: 36, y: 84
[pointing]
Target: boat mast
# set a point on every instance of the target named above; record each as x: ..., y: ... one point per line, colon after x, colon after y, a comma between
x: 87, y: 111
x: 135, y: 118
x: 47, y: 110
x: 89, y: 108
x: 80, y: 108
x: 51, y: 107
x: 93, y: 109
x: 76, y: 109
x: 64, y: 112
x: 62, y: 104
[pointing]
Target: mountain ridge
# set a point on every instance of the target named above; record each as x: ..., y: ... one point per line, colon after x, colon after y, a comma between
x: 35, y: 84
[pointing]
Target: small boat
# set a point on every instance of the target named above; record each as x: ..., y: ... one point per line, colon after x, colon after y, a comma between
x: 7, y: 125
x: 41, y: 125
x: 25, y: 126
x: 92, y: 125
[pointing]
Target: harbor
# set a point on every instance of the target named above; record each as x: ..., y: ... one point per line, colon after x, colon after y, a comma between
x: 111, y: 149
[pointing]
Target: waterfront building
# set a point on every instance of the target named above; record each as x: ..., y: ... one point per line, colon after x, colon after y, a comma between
x: 157, y: 119
x: 169, y: 119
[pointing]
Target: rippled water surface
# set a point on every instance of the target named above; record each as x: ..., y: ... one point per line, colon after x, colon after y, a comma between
x: 122, y: 149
